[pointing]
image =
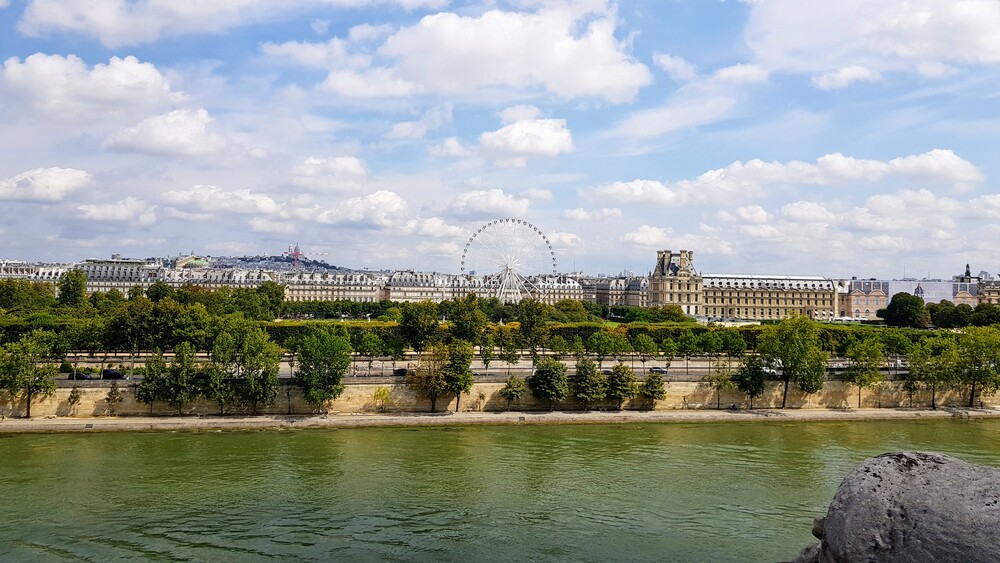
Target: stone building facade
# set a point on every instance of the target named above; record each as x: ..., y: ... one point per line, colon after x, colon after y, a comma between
x: 674, y: 281
x: 760, y: 298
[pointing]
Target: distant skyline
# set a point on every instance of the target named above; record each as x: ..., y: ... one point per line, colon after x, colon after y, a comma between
x: 793, y: 137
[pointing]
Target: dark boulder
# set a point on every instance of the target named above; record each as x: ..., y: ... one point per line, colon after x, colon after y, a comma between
x: 913, y: 507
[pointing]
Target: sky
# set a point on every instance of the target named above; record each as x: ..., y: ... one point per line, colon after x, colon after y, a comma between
x: 786, y: 137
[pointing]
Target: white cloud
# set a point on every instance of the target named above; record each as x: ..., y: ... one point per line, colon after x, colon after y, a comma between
x: 528, y: 136
x: 433, y: 227
x: 335, y: 174
x: 743, y: 180
x: 676, y: 67
x: 43, y: 184
x: 262, y: 225
x: 64, y: 88
x: 660, y: 237
x: 129, y: 210
x: 432, y: 119
x: 117, y: 23
x: 677, y: 115
x: 807, y: 212
x: 740, y: 74
x: 381, y: 209
x: 565, y: 241
x: 449, y: 147
x: 753, y: 214
x: 214, y: 199
x: 581, y: 214
x: 567, y: 49
x: 447, y: 249
x: 843, y: 77
x: 840, y: 42
x: 181, y: 132
x: 536, y: 194
x: 488, y: 204
x: 333, y: 53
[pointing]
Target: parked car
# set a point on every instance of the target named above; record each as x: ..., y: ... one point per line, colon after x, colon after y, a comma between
x: 657, y: 369
x: 399, y: 372
x: 79, y: 375
x: 112, y: 374
x: 606, y: 371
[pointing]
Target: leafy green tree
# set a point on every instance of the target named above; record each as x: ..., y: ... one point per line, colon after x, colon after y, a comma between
x: 669, y: 350
x: 180, y: 388
x: 458, y: 375
x: 645, y: 346
x: 513, y: 390
x: 369, y: 346
x: 794, y: 346
x: 530, y: 316
x: 652, y: 389
x: 72, y: 288
x: 272, y: 296
x: 381, y: 398
x: 152, y: 387
x: 577, y: 348
x: 486, y: 352
x: 600, y: 346
x: 74, y: 399
x: 864, y: 360
x: 621, y: 384
x: 720, y: 379
x: 323, y: 359
x: 258, y: 368
x: 508, y: 350
x: 687, y: 345
x: 27, y: 368
x: 905, y: 310
x: 979, y: 366
x: 419, y: 324
x: 751, y: 378
x: 159, y: 290
x: 895, y: 343
x: 985, y: 314
x: 733, y: 345
x: 428, y: 378
x: 558, y: 346
x: 549, y: 382
x: 933, y: 362
x: 588, y: 384
x: 620, y: 346
x: 572, y: 311
x: 468, y: 322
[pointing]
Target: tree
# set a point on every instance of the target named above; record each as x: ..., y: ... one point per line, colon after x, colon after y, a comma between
x: 549, y: 382
x: 381, y: 398
x: 621, y: 384
x: 620, y: 346
x: 486, y: 352
x: 370, y: 345
x: 221, y: 373
x: 323, y: 359
x: 272, y: 295
x: 153, y: 384
x: 751, y: 378
x: 600, y: 345
x: 980, y: 359
x: 558, y: 346
x: 530, y: 315
x: 74, y: 399
x: 687, y: 346
x: 468, y: 322
x: 513, y: 389
x: 588, y: 384
x: 794, y: 346
x: 428, y: 377
x: 645, y: 346
x: 419, y: 324
x: 652, y: 389
x: 572, y: 310
x: 253, y: 361
x: 159, y: 290
x: 711, y: 345
x: 933, y: 362
x: 864, y: 358
x: 113, y: 398
x: 457, y: 375
x: 733, y: 345
x: 905, y: 310
x: 985, y: 314
x: 894, y: 343
x: 72, y: 288
x: 508, y: 350
x: 27, y: 369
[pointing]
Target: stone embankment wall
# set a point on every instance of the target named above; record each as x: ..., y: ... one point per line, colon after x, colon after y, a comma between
x: 359, y: 398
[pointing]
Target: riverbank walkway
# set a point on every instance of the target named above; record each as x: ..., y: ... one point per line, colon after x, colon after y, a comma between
x: 336, y: 420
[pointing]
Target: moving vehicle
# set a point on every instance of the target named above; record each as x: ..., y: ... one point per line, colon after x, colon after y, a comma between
x: 112, y: 374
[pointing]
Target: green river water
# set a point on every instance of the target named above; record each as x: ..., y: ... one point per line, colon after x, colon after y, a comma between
x: 650, y: 492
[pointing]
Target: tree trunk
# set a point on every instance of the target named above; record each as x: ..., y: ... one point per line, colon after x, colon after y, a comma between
x: 27, y: 405
x: 718, y: 399
x: 751, y: 401
x: 972, y: 394
x: 859, y: 396
x: 433, y: 403
x: 784, y: 396
x: 458, y: 399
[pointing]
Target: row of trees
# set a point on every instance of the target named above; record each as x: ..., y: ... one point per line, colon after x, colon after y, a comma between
x: 906, y: 310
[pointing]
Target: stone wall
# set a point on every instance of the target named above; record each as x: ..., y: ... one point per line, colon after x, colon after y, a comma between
x: 359, y: 398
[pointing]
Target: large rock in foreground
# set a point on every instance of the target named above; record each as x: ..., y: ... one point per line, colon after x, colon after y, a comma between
x: 913, y: 507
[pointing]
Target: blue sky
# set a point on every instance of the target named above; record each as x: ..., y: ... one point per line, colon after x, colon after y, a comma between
x: 768, y: 136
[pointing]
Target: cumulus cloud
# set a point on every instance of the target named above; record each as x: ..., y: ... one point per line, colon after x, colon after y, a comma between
x: 182, y: 132
x: 335, y: 53
x: 525, y: 136
x: 65, y: 88
x: 432, y: 119
x: 748, y: 179
x: 450, y: 147
x: 116, y: 23
x: 660, y: 237
x: 488, y: 203
x: 262, y: 225
x: 433, y: 227
x: 215, y: 199
x: 536, y: 194
x: 850, y: 40
x: 43, y: 184
x: 381, y: 209
x: 565, y: 241
x: 568, y: 49
x: 334, y: 174
x: 581, y: 214
x: 129, y: 210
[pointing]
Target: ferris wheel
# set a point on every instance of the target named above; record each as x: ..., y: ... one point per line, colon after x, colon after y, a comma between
x: 507, y: 252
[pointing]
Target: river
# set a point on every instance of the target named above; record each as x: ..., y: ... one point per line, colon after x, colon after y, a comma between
x: 630, y: 492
